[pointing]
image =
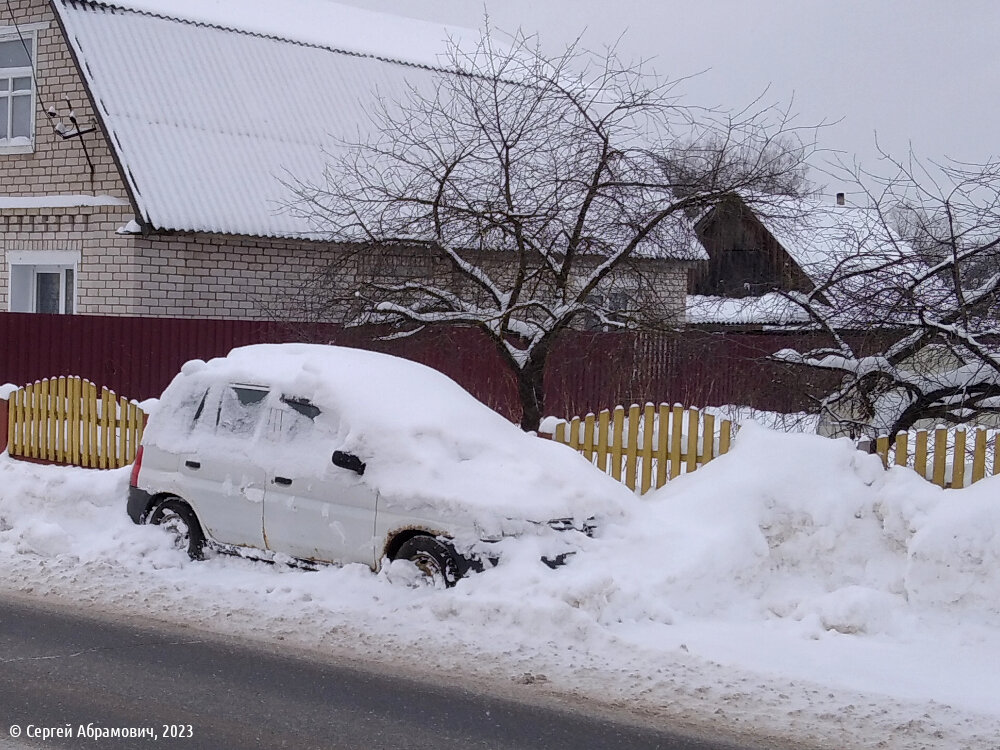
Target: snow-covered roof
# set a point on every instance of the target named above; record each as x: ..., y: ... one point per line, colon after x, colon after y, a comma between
x: 860, y: 266
x: 210, y: 122
x: 829, y: 241
x: 316, y: 22
x: 217, y: 110
x: 767, y: 309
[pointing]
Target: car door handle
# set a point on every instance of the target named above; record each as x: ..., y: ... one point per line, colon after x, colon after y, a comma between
x: 193, y: 464
x: 282, y: 480
x: 349, y: 461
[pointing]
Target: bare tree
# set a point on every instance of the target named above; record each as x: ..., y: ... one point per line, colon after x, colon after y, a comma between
x: 534, y: 194
x: 911, y: 312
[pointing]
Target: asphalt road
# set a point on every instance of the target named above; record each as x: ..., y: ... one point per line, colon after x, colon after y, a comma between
x: 59, y: 670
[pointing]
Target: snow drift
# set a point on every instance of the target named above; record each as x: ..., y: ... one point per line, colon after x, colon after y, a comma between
x: 794, y: 560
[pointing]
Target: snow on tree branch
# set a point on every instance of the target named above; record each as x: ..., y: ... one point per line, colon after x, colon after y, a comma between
x: 912, y: 315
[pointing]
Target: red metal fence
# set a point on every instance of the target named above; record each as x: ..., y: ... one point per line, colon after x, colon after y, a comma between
x: 137, y: 357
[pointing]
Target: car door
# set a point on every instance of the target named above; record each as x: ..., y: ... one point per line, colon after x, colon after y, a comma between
x: 222, y: 482
x: 314, y: 509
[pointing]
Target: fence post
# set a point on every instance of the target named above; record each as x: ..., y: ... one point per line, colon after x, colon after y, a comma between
x: 4, y: 421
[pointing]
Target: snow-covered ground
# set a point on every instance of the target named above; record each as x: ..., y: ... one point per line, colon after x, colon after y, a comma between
x: 790, y: 590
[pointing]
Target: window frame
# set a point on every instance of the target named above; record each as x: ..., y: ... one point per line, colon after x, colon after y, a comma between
x: 10, y: 34
x: 43, y: 261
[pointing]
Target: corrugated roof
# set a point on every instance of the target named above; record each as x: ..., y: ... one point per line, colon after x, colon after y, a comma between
x: 210, y: 122
x: 317, y: 22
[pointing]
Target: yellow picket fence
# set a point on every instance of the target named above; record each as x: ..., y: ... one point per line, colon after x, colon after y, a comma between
x: 647, y: 445
x: 67, y: 420
x: 946, y: 457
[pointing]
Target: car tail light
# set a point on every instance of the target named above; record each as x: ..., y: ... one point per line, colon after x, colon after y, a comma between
x: 133, y: 480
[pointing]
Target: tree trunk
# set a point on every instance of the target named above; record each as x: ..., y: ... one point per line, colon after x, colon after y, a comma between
x: 531, y: 388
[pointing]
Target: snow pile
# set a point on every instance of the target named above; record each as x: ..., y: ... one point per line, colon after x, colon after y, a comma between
x: 954, y: 555
x: 71, y: 515
x: 774, y: 420
x: 799, y: 528
x: 791, y: 588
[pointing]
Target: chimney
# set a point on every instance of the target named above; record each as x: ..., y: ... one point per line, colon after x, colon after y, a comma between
x: 840, y: 199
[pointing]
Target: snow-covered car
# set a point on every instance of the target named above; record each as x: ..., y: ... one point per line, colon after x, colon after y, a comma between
x: 331, y: 454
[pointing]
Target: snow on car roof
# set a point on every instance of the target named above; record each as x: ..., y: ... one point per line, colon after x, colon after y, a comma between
x: 426, y: 441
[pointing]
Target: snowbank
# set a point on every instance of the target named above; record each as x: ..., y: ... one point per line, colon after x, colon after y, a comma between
x: 791, y: 588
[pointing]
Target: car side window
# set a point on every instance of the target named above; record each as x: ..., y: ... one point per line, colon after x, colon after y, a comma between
x: 188, y: 410
x: 241, y: 410
x: 302, y: 406
x: 293, y: 419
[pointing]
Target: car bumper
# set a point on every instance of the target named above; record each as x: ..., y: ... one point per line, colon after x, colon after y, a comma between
x: 138, y: 504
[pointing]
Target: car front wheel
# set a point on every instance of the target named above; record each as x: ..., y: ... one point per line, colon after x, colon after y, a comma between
x: 435, y: 559
x: 177, y: 518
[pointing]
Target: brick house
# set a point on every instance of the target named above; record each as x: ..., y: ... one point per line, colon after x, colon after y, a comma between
x: 129, y: 191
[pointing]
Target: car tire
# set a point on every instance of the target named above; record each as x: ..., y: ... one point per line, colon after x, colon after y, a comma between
x: 178, y: 518
x: 437, y: 560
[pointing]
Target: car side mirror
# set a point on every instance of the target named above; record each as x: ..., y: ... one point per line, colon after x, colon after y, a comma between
x: 348, y: 461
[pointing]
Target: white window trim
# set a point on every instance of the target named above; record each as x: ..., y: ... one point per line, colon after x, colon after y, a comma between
x: 36, y: 26
x: 43, y: 257
x: 10, y: 33
x: 49, y: 261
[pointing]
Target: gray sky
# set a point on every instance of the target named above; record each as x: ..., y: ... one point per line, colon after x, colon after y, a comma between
x: 925, y: 72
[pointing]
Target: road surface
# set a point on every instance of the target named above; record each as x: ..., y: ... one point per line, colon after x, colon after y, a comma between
x: 64, y: 672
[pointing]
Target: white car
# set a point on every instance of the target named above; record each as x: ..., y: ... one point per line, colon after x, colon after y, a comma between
x: 331, y: 454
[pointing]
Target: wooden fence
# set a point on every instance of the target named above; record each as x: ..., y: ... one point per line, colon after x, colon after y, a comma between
x: 67, y: 420
x: 946, y: 457
x: 647, y: 445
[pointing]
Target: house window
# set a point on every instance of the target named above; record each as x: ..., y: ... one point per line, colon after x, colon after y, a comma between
x: 43, y: 282
x: 17, y: 92
x: 614, y: 305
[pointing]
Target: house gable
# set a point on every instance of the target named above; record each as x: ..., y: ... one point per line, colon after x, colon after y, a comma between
x: 79, y: 165
x: 745, y: 259
x: 62, y: 198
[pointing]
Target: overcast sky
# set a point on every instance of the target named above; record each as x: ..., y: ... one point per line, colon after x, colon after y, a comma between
x: 925, y: 72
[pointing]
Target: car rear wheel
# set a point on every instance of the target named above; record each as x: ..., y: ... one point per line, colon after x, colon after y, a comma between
x: 177, y: 518
x: 436, y: 560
